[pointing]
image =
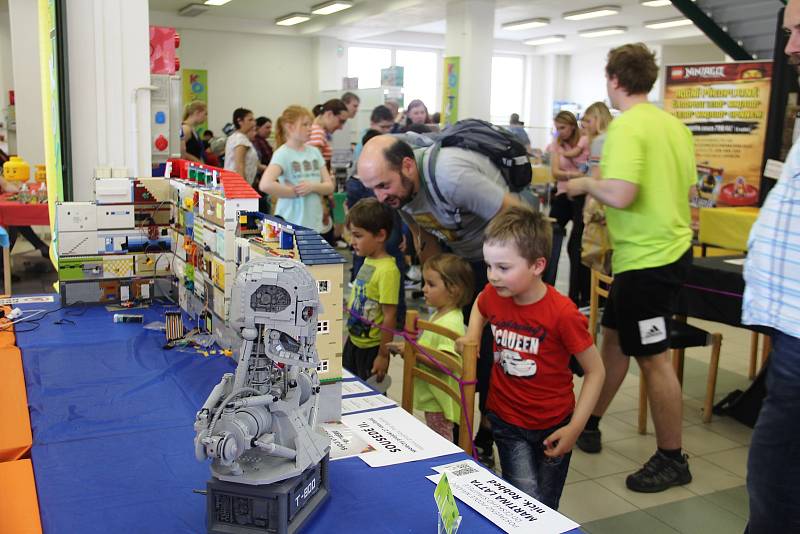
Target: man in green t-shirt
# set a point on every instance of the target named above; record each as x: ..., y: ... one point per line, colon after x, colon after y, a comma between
x: 647, y: 169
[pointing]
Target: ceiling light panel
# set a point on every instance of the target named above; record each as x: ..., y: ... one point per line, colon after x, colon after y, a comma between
x: 551, y: 39
x: 603, y: 32
x: 668, y: 23
x: 292, y: 18
x: 329, y: 8
x: 526, y: 24
x: 592, y: 13
x: 655, y: 3
x: 216, y: 2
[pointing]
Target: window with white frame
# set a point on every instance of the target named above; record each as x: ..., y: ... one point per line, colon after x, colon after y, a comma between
x: 508, y: 74
x: 366, y: 63
x: 420, y: 69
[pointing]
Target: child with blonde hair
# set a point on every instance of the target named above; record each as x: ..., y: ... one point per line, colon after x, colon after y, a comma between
x: 297, y: 175
x: 449, y: 282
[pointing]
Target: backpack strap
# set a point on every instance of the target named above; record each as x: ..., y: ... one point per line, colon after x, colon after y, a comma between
x: 433, y: 154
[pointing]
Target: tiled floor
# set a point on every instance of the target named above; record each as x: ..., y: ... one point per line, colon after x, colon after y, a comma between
x: 595, y: 494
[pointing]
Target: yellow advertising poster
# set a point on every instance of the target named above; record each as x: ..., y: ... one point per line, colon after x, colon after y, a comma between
x: 725, y: 105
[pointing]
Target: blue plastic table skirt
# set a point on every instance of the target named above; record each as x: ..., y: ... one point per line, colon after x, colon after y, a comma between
x: 112, y: 414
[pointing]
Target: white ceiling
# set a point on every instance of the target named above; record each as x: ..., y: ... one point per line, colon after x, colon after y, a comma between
x: 422, y: 22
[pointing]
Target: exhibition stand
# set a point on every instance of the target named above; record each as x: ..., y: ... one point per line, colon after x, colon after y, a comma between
x: 111, y: 413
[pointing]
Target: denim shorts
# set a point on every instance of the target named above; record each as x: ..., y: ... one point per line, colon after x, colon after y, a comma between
x: 524, y: 463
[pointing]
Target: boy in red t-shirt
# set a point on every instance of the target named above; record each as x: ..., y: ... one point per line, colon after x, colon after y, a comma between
x: 531, y: 406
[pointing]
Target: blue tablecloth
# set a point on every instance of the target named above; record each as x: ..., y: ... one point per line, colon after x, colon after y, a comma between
x: 112, y: 415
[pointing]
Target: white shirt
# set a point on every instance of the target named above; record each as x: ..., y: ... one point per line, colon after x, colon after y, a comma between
x: 250, y: 158
x: 772, y: 269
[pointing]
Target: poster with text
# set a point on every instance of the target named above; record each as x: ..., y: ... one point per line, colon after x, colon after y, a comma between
x: 725, y: 105
x: 195, y: 87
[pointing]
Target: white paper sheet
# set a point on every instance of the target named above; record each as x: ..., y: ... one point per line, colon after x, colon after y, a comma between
x: 504, y: 505
x: 358, y: 404
x: 355, y: 387
x: 347, y: 375
x: 344, y: 442
x: 398, y: 436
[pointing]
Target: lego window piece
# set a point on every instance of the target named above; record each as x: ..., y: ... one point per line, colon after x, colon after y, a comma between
x: 322, y: 366
x: 270, y: 299
x: 324, y: 286
x: 323, y: 327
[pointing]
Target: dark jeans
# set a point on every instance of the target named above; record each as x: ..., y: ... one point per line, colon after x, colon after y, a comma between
x: 578, y: 272
x: 524, y: 463
x: 486, y: 348
x: 773, y: 466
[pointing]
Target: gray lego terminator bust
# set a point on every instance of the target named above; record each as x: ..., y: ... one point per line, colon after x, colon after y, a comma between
x: 259, y: 424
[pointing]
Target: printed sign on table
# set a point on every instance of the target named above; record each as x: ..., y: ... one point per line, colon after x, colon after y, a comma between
x: 344, y: 442
x: 725, y: 105
x: 498, y: 501
x: 397, y: 436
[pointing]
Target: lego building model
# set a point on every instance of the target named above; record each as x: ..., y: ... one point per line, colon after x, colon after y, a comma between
x: 183, y: 237
x: 259, y: 424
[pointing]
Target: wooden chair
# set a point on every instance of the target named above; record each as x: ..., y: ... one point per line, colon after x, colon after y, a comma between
x: 463, y: 367
x: 682, y: 337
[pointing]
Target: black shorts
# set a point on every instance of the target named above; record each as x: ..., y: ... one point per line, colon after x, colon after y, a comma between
x: 357, y: 360
x: 641, y: 304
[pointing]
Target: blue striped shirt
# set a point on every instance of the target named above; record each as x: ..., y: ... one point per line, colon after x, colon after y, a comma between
x: 772, y: 269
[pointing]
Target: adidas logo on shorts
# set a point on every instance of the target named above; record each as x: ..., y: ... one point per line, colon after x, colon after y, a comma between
x: 652, y: 330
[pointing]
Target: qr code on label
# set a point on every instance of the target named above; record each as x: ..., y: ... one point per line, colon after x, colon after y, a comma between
x: 462, y: 470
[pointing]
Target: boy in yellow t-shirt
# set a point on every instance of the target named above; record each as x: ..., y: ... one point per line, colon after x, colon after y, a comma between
x: 375, y: 291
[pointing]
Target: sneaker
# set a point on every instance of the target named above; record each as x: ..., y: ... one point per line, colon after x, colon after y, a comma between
x: 589, y: 441
x: 659, y: 473
x: 485, y: 456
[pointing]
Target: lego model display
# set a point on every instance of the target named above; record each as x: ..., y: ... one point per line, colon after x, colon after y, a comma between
x: 183, y: 237
x: 259, y: 424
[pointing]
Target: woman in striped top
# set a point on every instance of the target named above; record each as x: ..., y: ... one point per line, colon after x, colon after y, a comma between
x: 329, y: 117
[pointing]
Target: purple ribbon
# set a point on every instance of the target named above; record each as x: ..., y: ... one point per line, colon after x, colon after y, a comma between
x: 413, y: 340
x: 717, y: 291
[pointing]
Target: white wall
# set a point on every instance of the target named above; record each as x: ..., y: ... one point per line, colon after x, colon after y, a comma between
x: 6, y: 74
x: 264, y: 73
x: 587, y: 81
x: 109, y: 58
x: 6, y: 81
x: 24, y: 25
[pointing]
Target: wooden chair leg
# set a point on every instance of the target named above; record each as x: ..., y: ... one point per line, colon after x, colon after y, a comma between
x: 677, y: 364
x: 713, y: 369
x: 751, y: 370
x: 642, y: 405
x: 765, y: 350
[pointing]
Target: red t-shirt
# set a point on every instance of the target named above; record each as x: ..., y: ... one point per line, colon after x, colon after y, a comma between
x: 531, y: 385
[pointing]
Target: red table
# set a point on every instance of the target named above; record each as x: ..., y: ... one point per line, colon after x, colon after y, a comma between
x: 19, y: 214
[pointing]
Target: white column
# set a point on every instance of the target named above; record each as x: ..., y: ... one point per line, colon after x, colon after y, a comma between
x: 331, y: 56
x: 470, y: 36
x: 109, y: 60
x: 24, y: 17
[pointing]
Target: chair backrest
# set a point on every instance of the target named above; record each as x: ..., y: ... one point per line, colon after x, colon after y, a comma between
x: 600, y: 285
x: 463, y: 366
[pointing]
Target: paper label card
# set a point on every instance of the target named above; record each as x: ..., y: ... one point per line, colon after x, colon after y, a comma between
x: 506, y: 506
